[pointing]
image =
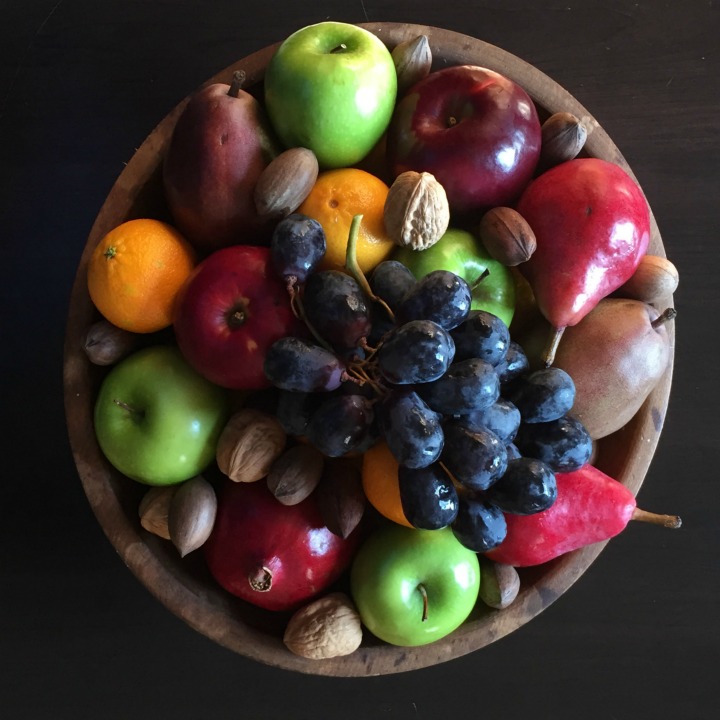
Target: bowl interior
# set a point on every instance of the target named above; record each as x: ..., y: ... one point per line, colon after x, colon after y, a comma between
x: 184, y: 586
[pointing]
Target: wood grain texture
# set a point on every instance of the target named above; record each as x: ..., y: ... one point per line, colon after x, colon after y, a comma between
x: 184, y: 587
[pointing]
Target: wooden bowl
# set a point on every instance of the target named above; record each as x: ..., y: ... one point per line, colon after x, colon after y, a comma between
x: 184, y: 586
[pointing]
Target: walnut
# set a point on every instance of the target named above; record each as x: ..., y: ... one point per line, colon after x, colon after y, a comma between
x: 154, y: 509
x: 416, y: 211
x: 506, y: 235
x: 249, y: 444
x: 326, y: 628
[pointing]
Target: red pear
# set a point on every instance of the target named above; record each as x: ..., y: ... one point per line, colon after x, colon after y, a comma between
x: 274, y: 556
x: 220, y: 145
x: 592, y: 225
x: 590, y: 507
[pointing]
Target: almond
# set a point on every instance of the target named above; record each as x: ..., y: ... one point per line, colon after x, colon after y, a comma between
x: 285, y: 183
x: 506, y: 235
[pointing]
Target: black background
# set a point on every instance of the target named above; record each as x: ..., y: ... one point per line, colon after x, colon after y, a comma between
x: 82, y: 82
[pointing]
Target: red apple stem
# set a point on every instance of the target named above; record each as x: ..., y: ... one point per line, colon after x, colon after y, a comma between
x: 666, y: 316
x: 261, y: 579
x: 423, y: 592
x: 552, y: 346
x: 238, y: 80
x: 669, y: 521
x: 351, y: 265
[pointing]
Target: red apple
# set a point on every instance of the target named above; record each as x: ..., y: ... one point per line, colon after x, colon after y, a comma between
x: 232, y: 308
x: 475, y: 130
x: 221, y: 143
x: 272, y: 555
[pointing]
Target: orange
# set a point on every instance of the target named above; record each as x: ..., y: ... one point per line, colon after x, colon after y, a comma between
x: 380, y: 483
x: 336, y: 197
x: 135, y: 273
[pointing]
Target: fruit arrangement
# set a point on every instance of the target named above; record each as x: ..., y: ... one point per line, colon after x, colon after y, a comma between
x: 363, y: 366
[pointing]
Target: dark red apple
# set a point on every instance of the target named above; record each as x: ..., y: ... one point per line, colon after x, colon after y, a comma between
x: 592, y: 225
x: 221, y: 143
x: 232, y: 308
x: 475, y: 130
x: 272, y: 555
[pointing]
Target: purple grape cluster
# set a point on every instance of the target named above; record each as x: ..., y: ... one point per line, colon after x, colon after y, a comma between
x: 475, y: 432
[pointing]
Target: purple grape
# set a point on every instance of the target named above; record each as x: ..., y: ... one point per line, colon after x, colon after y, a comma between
x: 298, y: 365
x: 298, y: 244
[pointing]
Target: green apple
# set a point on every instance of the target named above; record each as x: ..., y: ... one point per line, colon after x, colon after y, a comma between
x: 331, y: 87
x: 156, y: 420
x: 412, y: 587
x: 462, y: 253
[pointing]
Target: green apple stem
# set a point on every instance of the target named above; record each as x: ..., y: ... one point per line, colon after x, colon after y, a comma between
x: 342, y: 47
x: 238, y: 80
x: 664, y: 317
x: 669, y: 521
x: 129, y: 408
x: 552, y: 346
x: 423, y: 592
x: 351, y: 265
x: 485, y: 274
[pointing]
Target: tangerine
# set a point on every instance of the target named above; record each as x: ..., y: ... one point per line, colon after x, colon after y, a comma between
x: 380, y: 483
x: 135, y: 273
x: 339, y: 195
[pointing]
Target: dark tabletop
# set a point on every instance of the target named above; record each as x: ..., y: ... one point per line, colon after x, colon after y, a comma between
x: 82, y: 83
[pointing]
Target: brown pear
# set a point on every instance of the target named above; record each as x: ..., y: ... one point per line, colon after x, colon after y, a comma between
x: 616, y: 355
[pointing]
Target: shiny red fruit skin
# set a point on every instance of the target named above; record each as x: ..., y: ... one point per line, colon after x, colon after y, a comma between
x: 475, y: 130
x: 590, y: 507
x: 253, y: 530
x: 229, y: 353
x: 592, y: 225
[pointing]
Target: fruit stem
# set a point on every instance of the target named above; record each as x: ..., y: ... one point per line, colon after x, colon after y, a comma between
x: 261, y: 579
x: 128, y: 408
x: 669, y: 521
x: 661, y: 319
x: 485, y: 273
x: 423, y: 592
x: 351, y: 265
x: 552, y: 346
x: 238, y: 80
x: 298, y: 309
x: 342, y: 47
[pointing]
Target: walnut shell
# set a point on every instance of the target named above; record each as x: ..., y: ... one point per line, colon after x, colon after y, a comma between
x: 507, y: 236
x: 285, y: 183
x: 154, y: 510
x: 326, y: 628
x: 416, y: 212
x: 413, y: 60
x: 295, y: 474
x: 249, y: 444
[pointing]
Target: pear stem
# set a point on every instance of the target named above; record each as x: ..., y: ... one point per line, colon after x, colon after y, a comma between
x: 423, y: 592
x: 552, y: 346
x: 666, y: 316
x: 669, y: 521
x: 238, y: 80
x: 351, y: 265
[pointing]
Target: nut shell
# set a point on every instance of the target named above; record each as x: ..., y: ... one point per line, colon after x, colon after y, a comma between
x: 326, y: 628
x: 154, y: 510
x: 413, y: 60
x: 106, y: 344
x: 416, y: 212
x: 191, y: 515
x: 285, y: 183
x: 563, y: 137
x: 295, y: 474
x: 507, y: 236
x: 249, y: 444
x: 654, y: 279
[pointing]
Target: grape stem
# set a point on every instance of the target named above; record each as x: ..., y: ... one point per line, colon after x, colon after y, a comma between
x: 296, y: 305
x: 351, y: 265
